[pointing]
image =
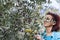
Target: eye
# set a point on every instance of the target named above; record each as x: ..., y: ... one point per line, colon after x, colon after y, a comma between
x: 47, y: 18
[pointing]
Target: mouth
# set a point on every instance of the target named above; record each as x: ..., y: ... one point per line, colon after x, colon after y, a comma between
x: 45, y: 23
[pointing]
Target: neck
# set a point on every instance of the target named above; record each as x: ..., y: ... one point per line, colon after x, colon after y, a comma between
x: 48, y: 30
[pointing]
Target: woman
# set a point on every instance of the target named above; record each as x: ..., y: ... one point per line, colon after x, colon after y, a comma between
x: 51, y: 23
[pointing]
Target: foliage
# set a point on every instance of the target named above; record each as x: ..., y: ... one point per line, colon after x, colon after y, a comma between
x: 19, y: 19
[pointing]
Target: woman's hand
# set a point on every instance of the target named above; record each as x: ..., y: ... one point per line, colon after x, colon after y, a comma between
x: 38, y: 37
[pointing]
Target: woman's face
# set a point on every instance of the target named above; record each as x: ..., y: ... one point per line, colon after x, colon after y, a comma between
x: 48, y: 21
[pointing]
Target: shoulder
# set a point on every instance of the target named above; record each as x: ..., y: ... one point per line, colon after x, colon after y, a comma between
x: 57, y: 35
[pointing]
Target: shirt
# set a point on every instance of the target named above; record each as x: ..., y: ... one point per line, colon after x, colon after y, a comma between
x: 54, y: 36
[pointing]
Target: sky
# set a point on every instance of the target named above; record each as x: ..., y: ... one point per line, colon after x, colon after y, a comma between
x: 53, y: 4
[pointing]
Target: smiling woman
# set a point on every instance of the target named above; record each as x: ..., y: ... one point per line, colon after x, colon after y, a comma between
x: 55, y: 19
x: 52, y: 24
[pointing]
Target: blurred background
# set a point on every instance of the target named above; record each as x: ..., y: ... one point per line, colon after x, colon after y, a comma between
x: 22, y: 19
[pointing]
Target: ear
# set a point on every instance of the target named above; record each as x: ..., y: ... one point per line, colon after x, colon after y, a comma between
x: 54, y: 23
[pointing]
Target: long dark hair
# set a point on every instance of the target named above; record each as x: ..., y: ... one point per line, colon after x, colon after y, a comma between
x: 57, y: 19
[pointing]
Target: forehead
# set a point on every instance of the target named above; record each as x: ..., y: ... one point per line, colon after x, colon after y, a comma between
x: 49, y: 16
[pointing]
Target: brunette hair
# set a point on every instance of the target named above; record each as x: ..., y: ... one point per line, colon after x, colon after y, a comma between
x: 57, y: 19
